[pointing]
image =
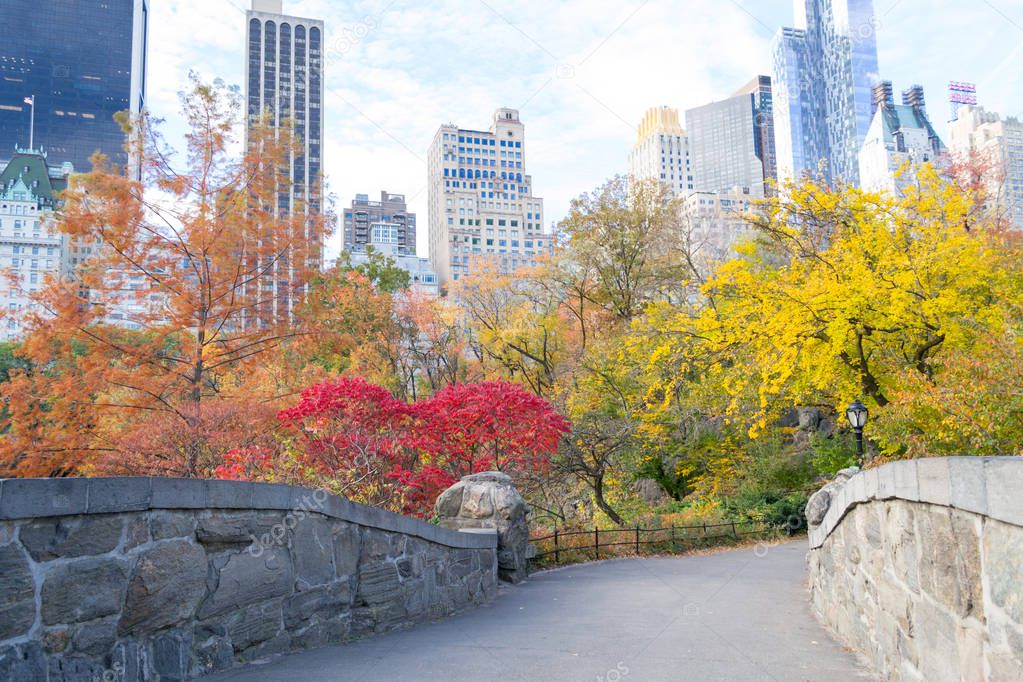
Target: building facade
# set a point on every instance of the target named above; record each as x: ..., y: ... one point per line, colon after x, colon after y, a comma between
x: 82, y: 61
x: 284, y: 84
x: 998, y: 141
x: 31, y: 249
x: 824, y: 72
x: 376, y: 223
x: 481, y: 199
x: 661, y: 151
x: 731, y: 142
x: 900, y: 137
x: 713, y: 225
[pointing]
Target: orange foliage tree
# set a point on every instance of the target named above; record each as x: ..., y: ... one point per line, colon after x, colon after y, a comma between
x: 196, y: 274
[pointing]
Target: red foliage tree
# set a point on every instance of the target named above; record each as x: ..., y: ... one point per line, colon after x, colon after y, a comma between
x: 356, y: 439
x: 489, y: 425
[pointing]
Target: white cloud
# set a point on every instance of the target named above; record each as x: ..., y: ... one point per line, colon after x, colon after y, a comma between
x: 582, y: 71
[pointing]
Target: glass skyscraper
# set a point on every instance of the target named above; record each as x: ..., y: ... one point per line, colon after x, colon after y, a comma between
x: 82, y: 61
x: 284, y: 82
x: 284, y: 79
x: 824, y: 70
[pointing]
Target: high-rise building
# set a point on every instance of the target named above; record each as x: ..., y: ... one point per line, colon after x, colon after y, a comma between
x: 900, y: 136
x: 481, y: 199
x: 30, y: 246
x: 284, y: 84
x: 824, y: 70
x: 731, y: 142
x: 661, y: 151
x: 998, y: 141
x: 76, y: 63
x: 388, y: 228
x: 712, y: 225
x: 387, y: 221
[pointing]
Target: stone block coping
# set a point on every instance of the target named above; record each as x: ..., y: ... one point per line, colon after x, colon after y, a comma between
x: 25, y: 498
x: 988, y: 486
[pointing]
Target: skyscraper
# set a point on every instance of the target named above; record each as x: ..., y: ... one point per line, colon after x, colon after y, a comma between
x: 824, y: 70
x: 661, y: 151
x: 481, y: 199
x: 284, y: 80
x: 81, y: 62
x: 998, y: 141
x: 900, y: 134
x: 284, y: 83
x: 731, y: 142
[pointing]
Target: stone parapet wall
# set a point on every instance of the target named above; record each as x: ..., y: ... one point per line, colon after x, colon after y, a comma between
x: 918, y: 566
x: 169, y: 579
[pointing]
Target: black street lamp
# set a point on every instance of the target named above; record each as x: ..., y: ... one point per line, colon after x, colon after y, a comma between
x: 857, y: 414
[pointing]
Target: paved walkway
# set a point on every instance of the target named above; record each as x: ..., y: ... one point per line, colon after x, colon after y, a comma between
x: 739, y: 615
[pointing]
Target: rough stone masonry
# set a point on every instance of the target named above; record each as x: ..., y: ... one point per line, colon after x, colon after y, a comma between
x: 168, y: 579
x: 918, y: 566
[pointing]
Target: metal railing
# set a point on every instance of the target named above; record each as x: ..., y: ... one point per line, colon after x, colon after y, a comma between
x: 667, y: 539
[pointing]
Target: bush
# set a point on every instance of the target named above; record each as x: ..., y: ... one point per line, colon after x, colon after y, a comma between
x: 779, y: 509
x: 831, y: 455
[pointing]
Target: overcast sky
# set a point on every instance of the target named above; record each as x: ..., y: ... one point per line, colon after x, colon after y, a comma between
x: 582, y: 72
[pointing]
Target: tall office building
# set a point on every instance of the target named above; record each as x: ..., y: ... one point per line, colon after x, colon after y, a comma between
x: 731, y: 142
x: 30, y: 246
x: 387, y: 221
x: 284, y: 82
x: 661, y: 151
x: 998, y: 141
x: 824, y: 70
x: 82, y: 61
x: 900, y: 135
x: 481, y: 199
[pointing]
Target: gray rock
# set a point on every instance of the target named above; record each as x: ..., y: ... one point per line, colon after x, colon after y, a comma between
x: 250, y: 577
x: 347, y: 547
x: 95, y: 639
x: 255, y: 624
x: 449, y: 503
x: 313, y: 549
x: 649, y: 491
x: 165, y: 587
x: 49, y: 539
x: 817, y: 506
x: 328, y: 601
x: 23, y: 663
x: 17, y: 593
x: 83, y: 590
x: 231, y: 530
x: 491, y: 491
x: 378, y: 584
x: 172, y: 656
x: 164, y: 525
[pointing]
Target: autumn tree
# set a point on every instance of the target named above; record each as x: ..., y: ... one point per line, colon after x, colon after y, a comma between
x: 196, y: 274
x: 858, y: 294
x: 621, y: 245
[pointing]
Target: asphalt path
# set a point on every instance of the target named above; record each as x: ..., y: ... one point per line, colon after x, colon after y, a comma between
x: 733, y: 615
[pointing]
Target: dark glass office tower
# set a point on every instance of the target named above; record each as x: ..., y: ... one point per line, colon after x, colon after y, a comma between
x: 83, y: 61
x: 284, y: 79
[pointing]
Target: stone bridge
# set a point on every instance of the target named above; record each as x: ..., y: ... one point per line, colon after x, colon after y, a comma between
x: 916, y: 567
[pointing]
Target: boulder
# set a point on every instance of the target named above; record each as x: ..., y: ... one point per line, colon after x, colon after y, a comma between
x: 489, y: 500
x: 649, y: 491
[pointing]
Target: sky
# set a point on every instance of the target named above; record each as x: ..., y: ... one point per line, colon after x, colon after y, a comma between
x: 581, y: 73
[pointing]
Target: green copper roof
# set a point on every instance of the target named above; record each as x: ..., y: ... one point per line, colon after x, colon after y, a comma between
x: 34, y: 172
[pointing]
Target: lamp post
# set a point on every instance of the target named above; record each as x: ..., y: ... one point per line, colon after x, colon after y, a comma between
x: 857, y: 414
